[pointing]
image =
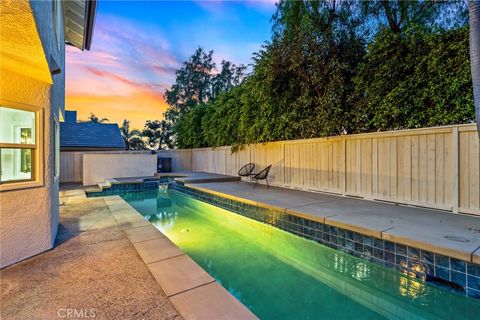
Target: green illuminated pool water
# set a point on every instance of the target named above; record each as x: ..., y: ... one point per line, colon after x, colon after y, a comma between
x: 281, y: 276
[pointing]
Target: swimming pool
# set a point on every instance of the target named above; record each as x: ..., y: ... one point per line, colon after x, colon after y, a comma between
x: 278, y: 275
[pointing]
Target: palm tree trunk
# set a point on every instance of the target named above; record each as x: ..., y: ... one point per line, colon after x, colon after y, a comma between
x: 474, y: 17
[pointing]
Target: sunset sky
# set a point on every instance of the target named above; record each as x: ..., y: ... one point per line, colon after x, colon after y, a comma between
x: 137, y: 46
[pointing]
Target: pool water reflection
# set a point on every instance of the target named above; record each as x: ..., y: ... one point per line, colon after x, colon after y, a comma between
x: 278, y: 275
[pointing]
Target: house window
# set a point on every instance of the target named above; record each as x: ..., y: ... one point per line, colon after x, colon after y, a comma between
x: 19, y: 151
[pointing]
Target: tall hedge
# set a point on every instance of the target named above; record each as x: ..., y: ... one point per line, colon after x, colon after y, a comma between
x: 414, y: 79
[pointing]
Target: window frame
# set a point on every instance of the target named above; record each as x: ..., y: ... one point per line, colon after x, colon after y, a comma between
x: 37, y: 149
x: 56, y: 149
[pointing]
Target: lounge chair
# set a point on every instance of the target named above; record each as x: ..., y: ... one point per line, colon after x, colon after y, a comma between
x: 262, y: 175
x: 246, y: 170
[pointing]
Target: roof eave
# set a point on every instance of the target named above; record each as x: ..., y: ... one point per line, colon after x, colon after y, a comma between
x: 90, y: 23
x: 79, y: 22
x: 89, y: 148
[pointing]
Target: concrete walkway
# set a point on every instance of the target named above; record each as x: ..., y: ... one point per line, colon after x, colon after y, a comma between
x: 92, y: 270
x: 450, y: 234
x: 110, y: 263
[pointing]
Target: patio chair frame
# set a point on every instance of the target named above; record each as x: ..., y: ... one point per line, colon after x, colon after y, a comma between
x: 262, y: 175
x: 246, y: 170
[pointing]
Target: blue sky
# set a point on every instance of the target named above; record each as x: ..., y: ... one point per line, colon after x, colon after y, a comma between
x: 236, y: 28
x: 138, y: 45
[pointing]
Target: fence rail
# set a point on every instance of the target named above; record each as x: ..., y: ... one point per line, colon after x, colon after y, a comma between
x: 432, y: 167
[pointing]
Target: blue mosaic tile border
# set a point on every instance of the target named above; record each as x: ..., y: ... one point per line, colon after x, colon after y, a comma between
x: 458, y: 275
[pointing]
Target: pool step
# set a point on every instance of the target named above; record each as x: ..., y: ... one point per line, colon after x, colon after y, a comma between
x: 104, y: 185
x: 93, y: 189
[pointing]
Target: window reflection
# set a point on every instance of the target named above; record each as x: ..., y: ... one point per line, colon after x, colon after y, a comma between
x: 15, y: 164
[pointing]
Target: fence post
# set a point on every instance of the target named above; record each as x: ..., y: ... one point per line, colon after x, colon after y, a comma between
x: 344, y: 191
x: 455, y: 175
x: 283, y: 161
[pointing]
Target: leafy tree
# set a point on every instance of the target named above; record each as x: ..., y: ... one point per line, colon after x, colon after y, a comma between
x: 94, y: 119
x: 188, y: 129
x: 158, y: 134
x: 399, y: 15
x: 230, y: 75
x: 414, y: 79
x: 220, y: 122
x: 137, y: 143
x: 197, y: 83
x: 192, y: 85
x: 305, y: 74
x: 133, y: 138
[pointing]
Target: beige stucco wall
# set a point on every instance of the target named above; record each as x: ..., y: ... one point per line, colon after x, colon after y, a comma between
x: 29, y: 217
x: 97, y: 167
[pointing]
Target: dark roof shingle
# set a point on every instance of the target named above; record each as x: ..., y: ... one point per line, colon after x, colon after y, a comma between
x: 90, y: 135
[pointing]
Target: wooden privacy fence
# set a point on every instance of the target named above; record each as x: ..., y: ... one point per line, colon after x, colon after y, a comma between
x: 71, y: 166
x: 432, y: 167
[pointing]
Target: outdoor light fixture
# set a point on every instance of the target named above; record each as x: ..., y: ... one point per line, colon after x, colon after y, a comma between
x: 54, y: 67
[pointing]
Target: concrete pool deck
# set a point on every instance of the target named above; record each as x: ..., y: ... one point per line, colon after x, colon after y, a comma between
x: 199, y: 177
x: 454, y: 235
x: 110, y: 261
x: 93, y: 267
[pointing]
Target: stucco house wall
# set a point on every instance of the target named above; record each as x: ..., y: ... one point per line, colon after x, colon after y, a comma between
x: 29, y: 217
x: 97, y: 167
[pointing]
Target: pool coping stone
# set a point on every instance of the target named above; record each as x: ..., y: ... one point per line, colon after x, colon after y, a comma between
x: 199, y: 296
x: 210, y: 302
x: 143, y: 233
x: 179, y: 274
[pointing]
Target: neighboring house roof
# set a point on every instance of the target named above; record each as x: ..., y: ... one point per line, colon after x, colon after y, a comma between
x: 89, y: 136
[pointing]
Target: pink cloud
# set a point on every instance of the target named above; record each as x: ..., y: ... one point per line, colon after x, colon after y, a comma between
x: 127, y: 59
x: 155, y: 89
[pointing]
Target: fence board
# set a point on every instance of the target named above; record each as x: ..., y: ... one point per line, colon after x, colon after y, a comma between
x: 71, y: 166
